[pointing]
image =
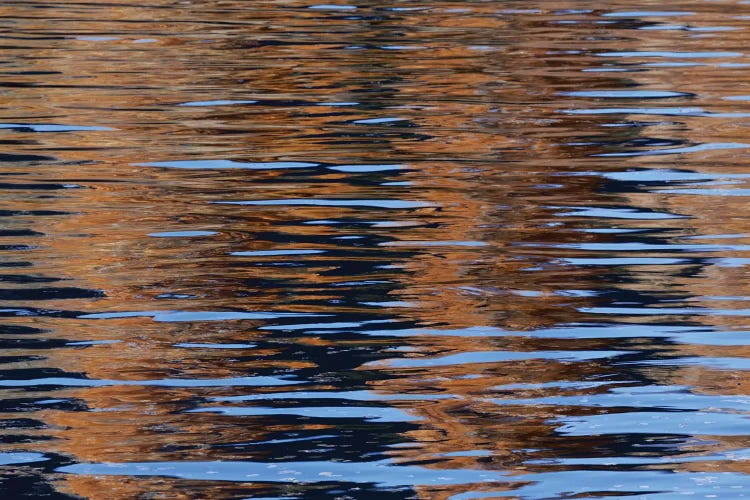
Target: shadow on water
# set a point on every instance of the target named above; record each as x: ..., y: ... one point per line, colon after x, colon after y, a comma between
x: 409, y: 250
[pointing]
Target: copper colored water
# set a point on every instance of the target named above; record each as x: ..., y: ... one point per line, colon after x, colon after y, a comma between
x: 374, y: 250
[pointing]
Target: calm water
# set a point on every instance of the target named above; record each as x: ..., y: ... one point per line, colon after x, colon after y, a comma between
x: 376, y: 250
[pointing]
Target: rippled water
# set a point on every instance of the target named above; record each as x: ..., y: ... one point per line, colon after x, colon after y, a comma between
x: 443, y: 249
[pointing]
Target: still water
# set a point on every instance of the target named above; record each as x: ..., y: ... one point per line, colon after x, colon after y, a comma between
x: 374, y: 250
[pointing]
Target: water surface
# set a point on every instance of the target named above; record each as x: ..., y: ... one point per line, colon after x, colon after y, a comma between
x: 449, y: 250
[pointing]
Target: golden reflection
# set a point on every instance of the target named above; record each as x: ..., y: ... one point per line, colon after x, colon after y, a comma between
x: 453, y: 192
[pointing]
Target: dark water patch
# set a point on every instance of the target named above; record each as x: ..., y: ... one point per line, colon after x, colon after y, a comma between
x: 25, y: 278
x: 36, y: 186
x: 19, y: 232
x: 19, y: 330
x: 14, y: 294
x: 13, y: 158
x: 20, y: 423
x: 33, y: 405
x: 30, y: 343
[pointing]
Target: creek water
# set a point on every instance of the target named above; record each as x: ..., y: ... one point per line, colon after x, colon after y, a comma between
x: 444, y: 249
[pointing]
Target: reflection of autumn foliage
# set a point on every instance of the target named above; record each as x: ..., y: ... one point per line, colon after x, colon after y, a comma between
x: 477, y: 138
